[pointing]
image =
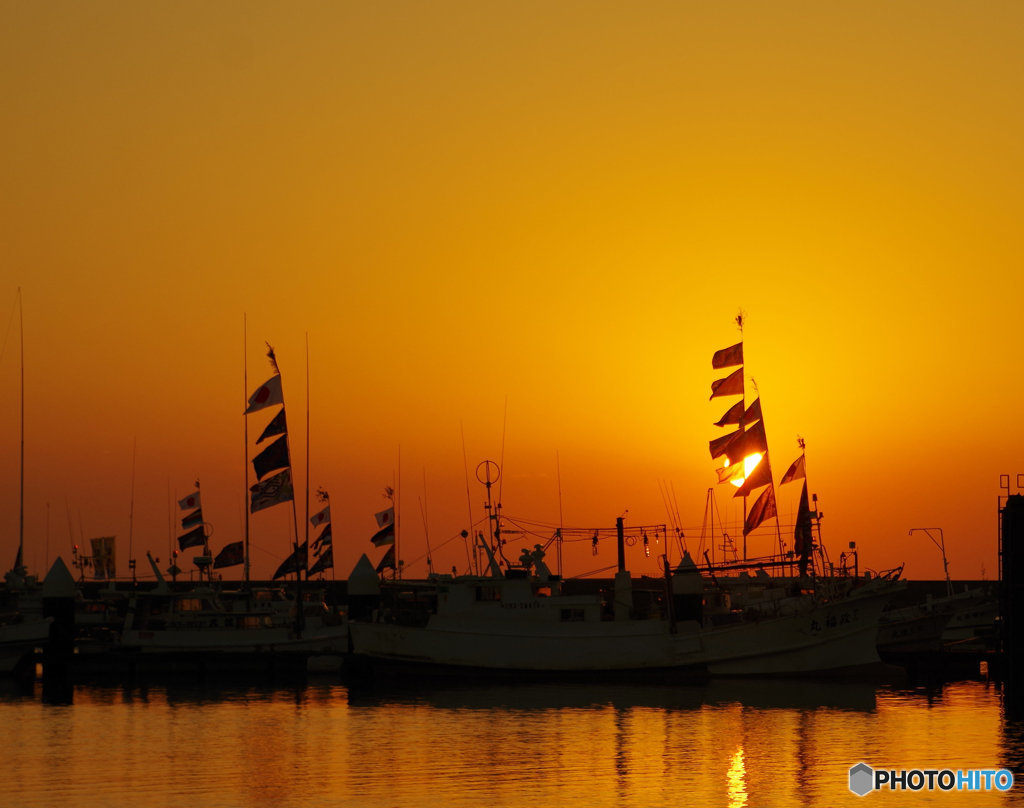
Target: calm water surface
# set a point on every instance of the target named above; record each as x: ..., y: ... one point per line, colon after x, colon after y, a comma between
x: 320, y: 743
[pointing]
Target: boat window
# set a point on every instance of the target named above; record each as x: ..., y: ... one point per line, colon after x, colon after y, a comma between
x: 572, y: 615
x: 488, y: 593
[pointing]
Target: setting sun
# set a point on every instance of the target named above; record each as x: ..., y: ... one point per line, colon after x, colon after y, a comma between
x: 749, y: 464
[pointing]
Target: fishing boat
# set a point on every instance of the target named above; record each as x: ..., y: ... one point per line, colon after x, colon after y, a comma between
x: 794, y: 615
x: 521, y: 620
x: 197, y: 629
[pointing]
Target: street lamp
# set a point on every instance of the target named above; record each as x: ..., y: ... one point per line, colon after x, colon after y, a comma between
x: 941, y: 544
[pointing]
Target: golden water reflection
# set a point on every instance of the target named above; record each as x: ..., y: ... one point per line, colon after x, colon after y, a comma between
x: 727, y: 744
x: 737, y: 785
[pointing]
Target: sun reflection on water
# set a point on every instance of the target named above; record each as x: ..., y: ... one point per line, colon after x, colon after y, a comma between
x: 736, y: 777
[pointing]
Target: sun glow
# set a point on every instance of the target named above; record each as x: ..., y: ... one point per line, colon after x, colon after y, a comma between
x: 749, y: 464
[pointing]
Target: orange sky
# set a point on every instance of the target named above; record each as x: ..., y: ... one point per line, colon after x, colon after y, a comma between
x: 530, y: 224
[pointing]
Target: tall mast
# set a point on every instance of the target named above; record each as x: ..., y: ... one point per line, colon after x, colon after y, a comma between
x: 307, y: 453
x: 743, y: 400
x: 21, y: 472
x: 245, y: 455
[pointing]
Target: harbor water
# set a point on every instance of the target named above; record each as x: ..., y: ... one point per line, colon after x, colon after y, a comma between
x: 321, y: 743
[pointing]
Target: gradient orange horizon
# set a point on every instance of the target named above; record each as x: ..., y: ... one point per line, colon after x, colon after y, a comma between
x: 513, y: 232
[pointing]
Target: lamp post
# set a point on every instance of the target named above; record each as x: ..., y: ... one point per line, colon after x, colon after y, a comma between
x: 941, y: 544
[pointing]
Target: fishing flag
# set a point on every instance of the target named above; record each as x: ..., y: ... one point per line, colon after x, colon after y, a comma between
x: 323, y: 539
x: 189, y: 502
x: 727, y: 357
x: 277, y: 426
x: 275, y: 456
x: 753, y: 412
x: 737, y: 415
x: 321, y: 517
x: 719, y: 446
x: 192, y: 519
x: 802, y: 536
x: 266, y: 395
x: 795, y: 472
x: 386, y: 517
x: 271, y: 491
x: 194, y: 538
x: 763, y: 509
x: 388, y: 561
x: 729, y: 473
x: 230, y: 556
x: 324, y: 562
x: 295, y: 562
x: 748, y: 443
x: 731, y: 385
x: 386, y: 535
x: 760, y: 475
x: 733, y: 415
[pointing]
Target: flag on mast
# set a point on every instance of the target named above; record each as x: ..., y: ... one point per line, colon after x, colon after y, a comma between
x: 388, y: 561
x: 271, y: 491
x: 191, y: 501
x: 295, y: 562
x: 760, y: 475
x: 385, y: 517
x: 230, y: 556
x: 731, y: 385
x: 727, y: 357
x: 277, y: 426
x: 795, y: 471
x: 275, y: 456
x: 266, y: 395
x: 763, y: 509
x: 324, y: 562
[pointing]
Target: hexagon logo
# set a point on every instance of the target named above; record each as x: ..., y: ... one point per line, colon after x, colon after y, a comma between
x: 862, y: 779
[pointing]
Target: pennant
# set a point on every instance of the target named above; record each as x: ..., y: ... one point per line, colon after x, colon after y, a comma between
x: 753, y: 413
x: 271, y: 491
x: 386, y: 517
x: 388, y: 561
x: 192, y: 519
x: 325, y: 562
x: 731, y: 385
x: 748, y: 443
x: 729, y: 473
x: 189, y: 502
x: 795, y: 472
x: 232, y: 555
x: 760, y: 475
x: 275, y: 456
x: 194, y: 538
x: 321, y: 518
x: 324, y: 538
x: 763, y: 509
x: 727, y: 357
x: 267, y: 395
x: 719, y: 446
x: 803, y: 539
x: 276, y: 426
x: 385, y: 535
x: 294, y: 563
x: 733, y: 415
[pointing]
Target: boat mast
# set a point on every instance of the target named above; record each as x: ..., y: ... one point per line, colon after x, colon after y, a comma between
x: 307, y: 458
x: 21, y: 472
x: 245, y: 450
x: 743, y: 400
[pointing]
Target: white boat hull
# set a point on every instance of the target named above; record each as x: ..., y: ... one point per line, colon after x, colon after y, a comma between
x: 815, y: 638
